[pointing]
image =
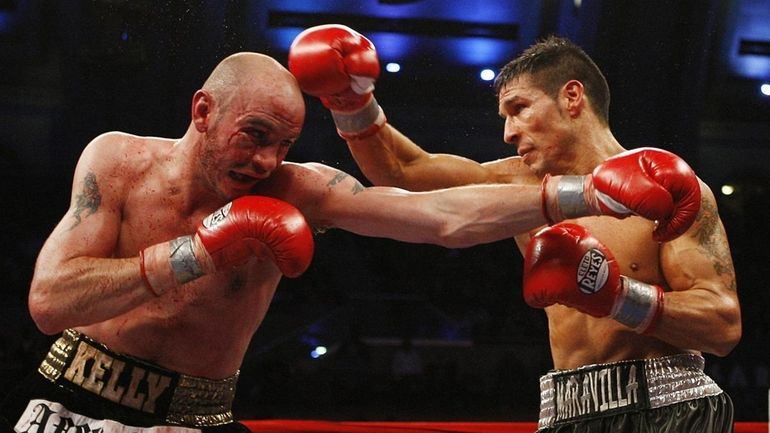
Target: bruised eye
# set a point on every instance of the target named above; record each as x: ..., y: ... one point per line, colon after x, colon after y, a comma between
x: 517, y: 108
x: 257, y: 135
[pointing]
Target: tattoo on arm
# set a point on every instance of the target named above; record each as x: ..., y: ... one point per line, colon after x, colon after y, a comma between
x: 713, y: 245
x: 89, y: 199
x: 322, y: 226
x: 340, y: 176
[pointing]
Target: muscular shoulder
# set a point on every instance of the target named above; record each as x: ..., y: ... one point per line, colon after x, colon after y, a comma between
x: 110, y: 149
x: 511, y: 170
x: 703, y: 252
x: 303, y: 176
x: 115, y: 162
x: 120, y: 155
x: 708, y: 220
x: 307, y: 185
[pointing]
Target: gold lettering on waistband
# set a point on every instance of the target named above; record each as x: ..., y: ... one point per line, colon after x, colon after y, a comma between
x: 133, y: 398
x: 194, y: 401
x: 76, y: 371
x: 94, y: 382
x: 102, y: 363
x: 112, y: 391
x: 156, y: 384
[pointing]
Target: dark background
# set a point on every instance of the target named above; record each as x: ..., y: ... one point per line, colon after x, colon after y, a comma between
x: 684, y: 76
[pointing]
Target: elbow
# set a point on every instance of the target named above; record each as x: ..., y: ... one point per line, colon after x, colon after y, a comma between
x: 726, y: 345
x: 730, y: 331
x: 453, y: 235
x: 43, y: 312
x: 729, y: 342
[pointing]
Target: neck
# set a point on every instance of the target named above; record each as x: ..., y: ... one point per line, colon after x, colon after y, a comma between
x: 186, y: 176
x: 594, y: 147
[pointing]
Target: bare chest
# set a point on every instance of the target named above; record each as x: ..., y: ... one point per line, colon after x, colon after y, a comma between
x: 630, y: 241
x: 148, y: 219
x: 578, y: 339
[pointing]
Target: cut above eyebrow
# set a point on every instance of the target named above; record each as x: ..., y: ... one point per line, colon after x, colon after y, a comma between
x: 261, y: 123
x: 258, y: 123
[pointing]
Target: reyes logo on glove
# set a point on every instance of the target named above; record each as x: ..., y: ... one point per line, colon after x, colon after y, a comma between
x: 592, y: 272
x: 217, y: 216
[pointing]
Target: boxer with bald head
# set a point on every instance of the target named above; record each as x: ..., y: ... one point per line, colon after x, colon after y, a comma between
x: 164, y: 266
x: 631, y: 303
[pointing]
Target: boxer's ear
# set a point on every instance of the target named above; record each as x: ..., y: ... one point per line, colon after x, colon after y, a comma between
x: 202, y: 105
x: 573, y: 96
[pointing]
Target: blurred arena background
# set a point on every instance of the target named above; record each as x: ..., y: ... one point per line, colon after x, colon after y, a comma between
x: 686, y: 76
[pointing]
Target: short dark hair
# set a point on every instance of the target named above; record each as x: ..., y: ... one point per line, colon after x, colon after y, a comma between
x: 553, y: 61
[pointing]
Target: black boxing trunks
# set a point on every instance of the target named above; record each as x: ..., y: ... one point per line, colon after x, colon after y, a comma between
x: 81, y: 385
x: 667, y: 394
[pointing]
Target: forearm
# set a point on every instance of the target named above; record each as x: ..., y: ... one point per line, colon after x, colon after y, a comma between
x: 481, y: 214
x: 380, y: 156
x: 85, y: 290
x: 455, y: 217
x: 698, y: 319
x: 389, y: 158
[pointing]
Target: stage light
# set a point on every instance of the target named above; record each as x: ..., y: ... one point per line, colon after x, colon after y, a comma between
x: 487, y: 74
x: 765, y: 89
x: 318, y: 352
x: 728, y: 189
x: 393, y: 67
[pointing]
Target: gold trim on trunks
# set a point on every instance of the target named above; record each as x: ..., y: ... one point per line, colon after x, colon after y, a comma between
x: 75, y: 360
x: 56, y: 359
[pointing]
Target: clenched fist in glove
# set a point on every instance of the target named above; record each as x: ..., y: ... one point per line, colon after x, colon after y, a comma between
x: 652, y: 183
x: 247, y: 227
x: 564, y: 264
x: 339, y: 65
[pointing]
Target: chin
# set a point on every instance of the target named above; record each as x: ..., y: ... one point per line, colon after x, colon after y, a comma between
x: 537, y: 169
x: 235, y: 190
x: 230, y: 194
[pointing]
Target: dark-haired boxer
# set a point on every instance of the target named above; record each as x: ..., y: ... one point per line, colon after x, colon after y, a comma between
x: 626, y: 351
x: 166, y: 262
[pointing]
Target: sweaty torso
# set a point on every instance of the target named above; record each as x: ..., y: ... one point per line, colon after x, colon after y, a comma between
x: 204, y: 327
x: 579, y: 339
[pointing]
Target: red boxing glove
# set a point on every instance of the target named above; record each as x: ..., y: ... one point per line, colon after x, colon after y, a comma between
x: 247, y: 227
x: 652, y: 183
x: 339, y: 65
x: 258, y: 226
x: 566, y: 265
x: 655, y: 184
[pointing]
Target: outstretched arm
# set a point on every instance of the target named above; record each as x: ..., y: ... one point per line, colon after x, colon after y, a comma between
x: 454, y: 217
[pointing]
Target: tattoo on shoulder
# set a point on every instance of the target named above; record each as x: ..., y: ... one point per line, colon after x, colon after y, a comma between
x: 712, y: 244
x: 340, y: 176
x: 88, y: 200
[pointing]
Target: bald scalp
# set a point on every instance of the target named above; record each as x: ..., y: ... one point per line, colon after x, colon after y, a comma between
x: 246, y: 70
